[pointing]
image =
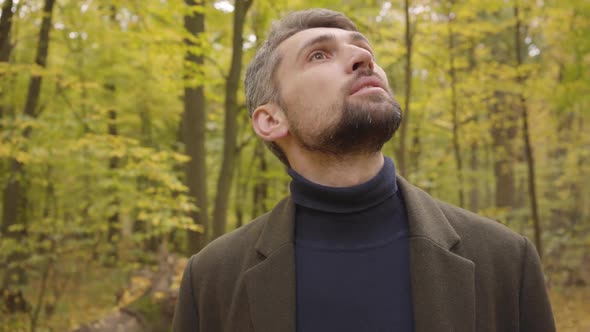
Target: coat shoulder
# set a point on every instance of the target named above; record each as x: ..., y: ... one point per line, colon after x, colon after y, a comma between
x: 231, y: 250
x: 484, y: 239
x: 470, y: 224
x: 508, y: 270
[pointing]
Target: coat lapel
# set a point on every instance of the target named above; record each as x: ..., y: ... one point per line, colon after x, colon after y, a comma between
x: 271, y: 283
x: 443, y: 283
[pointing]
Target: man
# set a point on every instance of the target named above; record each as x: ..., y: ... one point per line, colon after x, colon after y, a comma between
x: 355, y: 247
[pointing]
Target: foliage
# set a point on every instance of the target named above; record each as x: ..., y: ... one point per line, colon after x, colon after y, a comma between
x: 103, y: 181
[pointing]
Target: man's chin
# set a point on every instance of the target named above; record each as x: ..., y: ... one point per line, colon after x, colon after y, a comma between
x: 372, y: 103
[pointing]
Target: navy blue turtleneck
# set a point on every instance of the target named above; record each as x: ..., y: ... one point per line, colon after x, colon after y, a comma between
x: 352, y: 259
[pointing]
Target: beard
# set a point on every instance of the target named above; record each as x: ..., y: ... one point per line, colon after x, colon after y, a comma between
x: 364, y: 126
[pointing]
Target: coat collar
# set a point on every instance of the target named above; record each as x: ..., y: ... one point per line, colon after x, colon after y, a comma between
x: 443, y: 284
x: 425, y: 217
x: 279, y: 228
x: 271, y: 283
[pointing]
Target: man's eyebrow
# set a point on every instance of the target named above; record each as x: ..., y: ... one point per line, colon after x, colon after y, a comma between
x: 353, y: 37
x: 314, y: 41
x: 357, y: 36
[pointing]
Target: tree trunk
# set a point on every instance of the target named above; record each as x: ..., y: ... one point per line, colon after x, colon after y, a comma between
x: 11, y: 204
x: 403, y: 149
x: 194, y: 121
x: 113, y: 223
x: 474, y: 155
x: 5, y: 30
x: 5, y: 45
x: 225, y: 178
x: 5, y: 50
x: 527, y: 139
x: 41, y: 60
x: 241, y: 190
x: 12, y: 191
x: 503, y: 134
x: 474, y: 195
x: 454, y: 107
x: 13, y: 197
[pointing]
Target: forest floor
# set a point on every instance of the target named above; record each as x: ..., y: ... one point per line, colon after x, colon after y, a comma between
x: 571, y: 307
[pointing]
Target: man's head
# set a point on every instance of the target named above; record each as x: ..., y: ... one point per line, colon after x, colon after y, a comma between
x: 315, y: 81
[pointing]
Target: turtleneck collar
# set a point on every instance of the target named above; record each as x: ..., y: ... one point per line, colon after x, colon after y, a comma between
x: 347, y: 199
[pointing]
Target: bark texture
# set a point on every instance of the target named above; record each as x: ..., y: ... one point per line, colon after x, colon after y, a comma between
x: 224, y: 182
x: 194, y: 120
x: 5, y: 30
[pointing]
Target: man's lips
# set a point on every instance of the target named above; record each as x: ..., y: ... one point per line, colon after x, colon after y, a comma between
x: 366, y: 82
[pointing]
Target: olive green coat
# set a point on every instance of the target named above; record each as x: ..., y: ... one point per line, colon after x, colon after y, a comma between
x: 468, y: 273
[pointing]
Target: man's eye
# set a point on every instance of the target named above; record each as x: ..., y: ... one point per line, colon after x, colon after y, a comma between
x: 318, y: 55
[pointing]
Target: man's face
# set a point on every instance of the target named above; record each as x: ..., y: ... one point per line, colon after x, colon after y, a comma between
x: 336, y: 99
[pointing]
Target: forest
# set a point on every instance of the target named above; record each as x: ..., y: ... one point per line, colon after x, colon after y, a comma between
x: 126, y: 146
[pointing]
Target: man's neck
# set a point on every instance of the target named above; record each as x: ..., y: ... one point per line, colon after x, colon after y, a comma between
x: 340, y: 171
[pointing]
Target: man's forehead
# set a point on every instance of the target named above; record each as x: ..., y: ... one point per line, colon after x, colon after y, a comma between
x: 301, y: 37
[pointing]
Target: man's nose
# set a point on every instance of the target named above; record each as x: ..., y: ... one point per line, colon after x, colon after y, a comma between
x: 360, y: 59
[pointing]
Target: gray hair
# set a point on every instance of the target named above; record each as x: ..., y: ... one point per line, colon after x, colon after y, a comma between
x: 259, y: 83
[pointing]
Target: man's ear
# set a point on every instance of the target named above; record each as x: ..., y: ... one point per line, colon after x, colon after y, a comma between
x: 270, y: 122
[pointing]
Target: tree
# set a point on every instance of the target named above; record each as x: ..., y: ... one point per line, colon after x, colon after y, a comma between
x: 13, y: 196
x: 194, y: 121
x: 5, y: 43
x: 224, y: 181
x: 113, y: 222
x: 454, y: 103
x: 408, y: 40
x: 530, y: 161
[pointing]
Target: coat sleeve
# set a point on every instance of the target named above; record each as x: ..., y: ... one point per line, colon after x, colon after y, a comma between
x: 185, y: 313
x: 535, y: 309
